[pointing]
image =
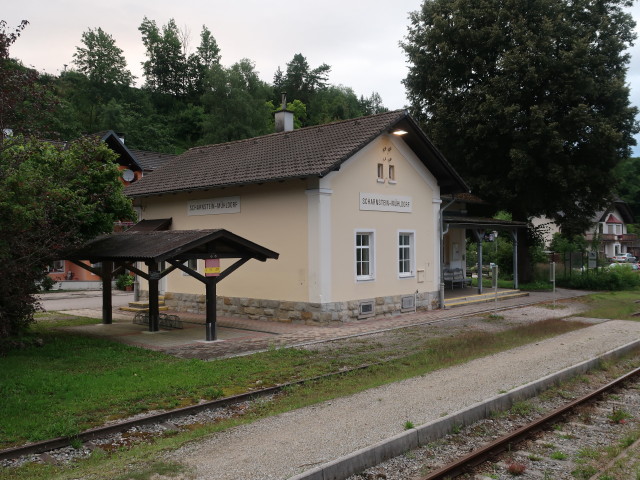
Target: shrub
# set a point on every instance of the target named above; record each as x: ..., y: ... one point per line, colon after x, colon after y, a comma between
x: 618, y: 278
x: 47, y: 283
x: 124, y: 280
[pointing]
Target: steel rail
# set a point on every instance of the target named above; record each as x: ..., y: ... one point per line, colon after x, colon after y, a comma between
x: 505, y: 442
x: 101, y: 432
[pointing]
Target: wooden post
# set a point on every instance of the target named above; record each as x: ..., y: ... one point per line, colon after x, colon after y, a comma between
x: 210, y: 288
x: 154, y: 310
x: 107, y: 314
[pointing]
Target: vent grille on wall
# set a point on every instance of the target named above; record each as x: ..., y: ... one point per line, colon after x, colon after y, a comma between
x: 366, y: 309
x: 408, y: 303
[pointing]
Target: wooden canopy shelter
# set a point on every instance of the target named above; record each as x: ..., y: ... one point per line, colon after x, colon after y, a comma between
x: 118, y: 252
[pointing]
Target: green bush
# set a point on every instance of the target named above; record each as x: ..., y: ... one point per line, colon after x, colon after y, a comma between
x: 124, y: 280
x: 47, y: 284
x: 617, y: 278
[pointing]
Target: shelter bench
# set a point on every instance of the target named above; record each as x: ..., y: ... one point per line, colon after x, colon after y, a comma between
x: 165, y: 320
x: 454, y: 277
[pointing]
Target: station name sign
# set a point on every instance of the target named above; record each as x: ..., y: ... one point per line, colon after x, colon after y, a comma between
x: 214, y: 206
x: 385, y: 203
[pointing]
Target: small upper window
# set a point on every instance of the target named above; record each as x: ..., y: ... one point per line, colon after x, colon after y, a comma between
x: 392, y: 173
x: 380, y: 172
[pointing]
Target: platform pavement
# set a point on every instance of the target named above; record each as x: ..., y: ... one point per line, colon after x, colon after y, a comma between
x: 240, y: 336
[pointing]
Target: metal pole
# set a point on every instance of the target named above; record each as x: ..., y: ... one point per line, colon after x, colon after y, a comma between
x: 480, y: 265
x: 516, y: 281
x: 553, y: 281
x: 494, y: 274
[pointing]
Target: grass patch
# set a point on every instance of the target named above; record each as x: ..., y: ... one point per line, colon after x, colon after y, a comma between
x: 612, y: 305
x: 558, y: 455
x: 73, y: 382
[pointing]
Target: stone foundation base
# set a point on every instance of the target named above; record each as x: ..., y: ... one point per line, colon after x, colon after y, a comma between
x: 302, y: 312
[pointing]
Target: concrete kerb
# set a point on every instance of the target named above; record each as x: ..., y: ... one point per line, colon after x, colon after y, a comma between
x: 367, y: 457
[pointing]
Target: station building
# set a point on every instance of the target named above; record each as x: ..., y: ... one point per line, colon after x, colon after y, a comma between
x: 354, y: 209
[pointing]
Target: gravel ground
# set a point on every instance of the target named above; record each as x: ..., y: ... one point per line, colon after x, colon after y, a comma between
x: 288, y: 444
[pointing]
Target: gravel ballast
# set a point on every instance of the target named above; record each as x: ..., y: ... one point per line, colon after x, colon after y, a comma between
x: 288, y: 444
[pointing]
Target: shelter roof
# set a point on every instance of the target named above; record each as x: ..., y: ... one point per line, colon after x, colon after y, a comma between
x: 151, y: 225
x: 169, y: 244
x: 312, y: 151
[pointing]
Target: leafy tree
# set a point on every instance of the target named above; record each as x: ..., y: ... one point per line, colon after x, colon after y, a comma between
x: 166, y: 67
x: 236, y: 103
x: 208, y: 52
x: 207, y: 55
x: 101, y: 60
x: 26, y: 105
x: 626, y: 177
x: 372, y: 104
x: 333, y: 103
x: 52, y: 198
x: 300, y: 81
x: 530, y: 102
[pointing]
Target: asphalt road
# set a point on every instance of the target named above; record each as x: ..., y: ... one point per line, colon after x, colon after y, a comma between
x: 61, y: 301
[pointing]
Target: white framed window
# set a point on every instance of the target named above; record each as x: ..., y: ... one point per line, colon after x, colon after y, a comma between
x: 406, y: 254
x: 365, y: 255
x: 392, y: 174
x: 57, y: 266
x: 381, y: 173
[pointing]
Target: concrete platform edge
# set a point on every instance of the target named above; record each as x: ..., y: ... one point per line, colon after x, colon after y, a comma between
x: 367, y: 457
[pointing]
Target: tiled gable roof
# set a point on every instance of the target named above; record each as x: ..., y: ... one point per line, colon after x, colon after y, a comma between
x: 613, y: 219
x: 150, y: 161
x: 311, y: 151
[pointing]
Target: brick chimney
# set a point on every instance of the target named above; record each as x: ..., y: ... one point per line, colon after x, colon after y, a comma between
x: 284, y: 117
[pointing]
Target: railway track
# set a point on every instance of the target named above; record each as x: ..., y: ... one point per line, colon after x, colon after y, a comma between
x: 572, y: 441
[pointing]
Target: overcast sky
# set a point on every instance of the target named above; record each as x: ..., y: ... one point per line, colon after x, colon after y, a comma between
x: 357, y: 38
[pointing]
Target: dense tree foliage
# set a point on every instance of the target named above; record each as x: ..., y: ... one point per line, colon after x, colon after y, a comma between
x: 51, y: 197
x: 100, y: 60
x: 236, y: 103
x: 627, y: 182
x: 529, y: 102
x: 26, y: 104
